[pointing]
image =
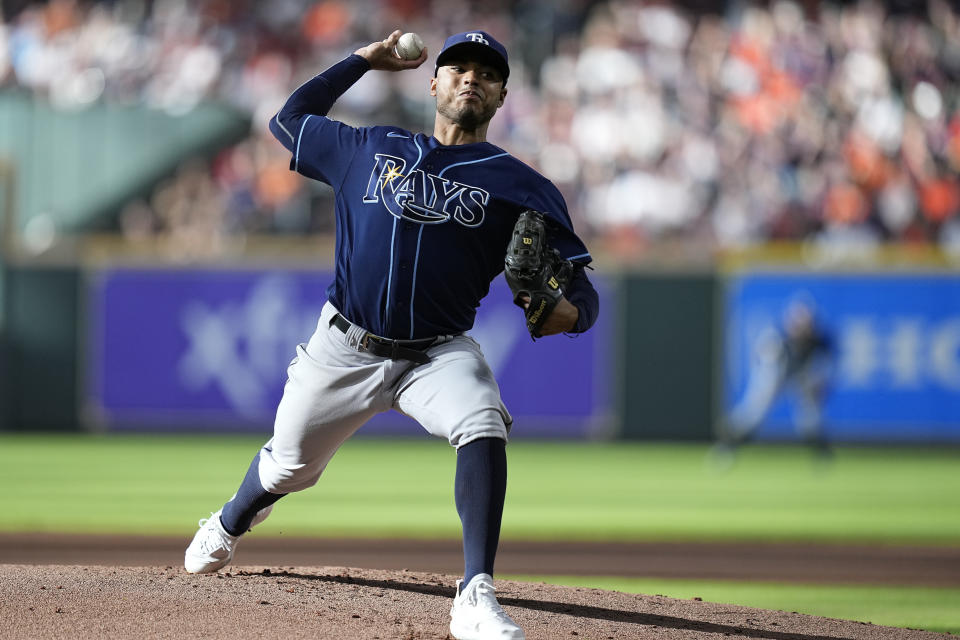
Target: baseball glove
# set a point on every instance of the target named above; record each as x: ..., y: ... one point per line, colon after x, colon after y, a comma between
x: 534, y: 270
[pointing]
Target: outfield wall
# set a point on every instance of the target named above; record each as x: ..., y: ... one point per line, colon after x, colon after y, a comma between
x: 207, y: 349
x: 895, y: 371
x: 41, y: 348
x: 667, y: 355
x: 125, y: 348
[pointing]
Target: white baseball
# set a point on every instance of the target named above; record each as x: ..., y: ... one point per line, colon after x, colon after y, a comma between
x: 409, y: 46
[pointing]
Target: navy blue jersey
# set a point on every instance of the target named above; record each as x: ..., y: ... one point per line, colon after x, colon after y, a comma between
x: 422, y: 228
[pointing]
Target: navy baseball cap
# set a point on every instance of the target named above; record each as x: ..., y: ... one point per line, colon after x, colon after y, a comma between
x: 478, y: 45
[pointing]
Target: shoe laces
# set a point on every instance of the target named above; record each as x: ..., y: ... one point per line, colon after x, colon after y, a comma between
x: 218, y: 538
x: 483, y: 595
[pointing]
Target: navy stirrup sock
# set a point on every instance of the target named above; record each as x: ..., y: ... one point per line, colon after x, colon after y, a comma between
x: 251, y: 497
x: 479, y: 490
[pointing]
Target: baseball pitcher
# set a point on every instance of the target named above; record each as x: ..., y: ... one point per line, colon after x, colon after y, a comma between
x: 424, y: 223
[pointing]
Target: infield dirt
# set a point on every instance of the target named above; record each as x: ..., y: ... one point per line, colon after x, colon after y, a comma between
x: 62, y: 601
x: 778, y: 562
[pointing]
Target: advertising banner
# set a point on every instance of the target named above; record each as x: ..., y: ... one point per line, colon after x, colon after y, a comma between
x: 208, y: 350
x: 893, y: 367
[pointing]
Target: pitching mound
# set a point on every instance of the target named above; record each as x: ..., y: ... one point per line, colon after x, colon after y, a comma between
x: 329, y: 602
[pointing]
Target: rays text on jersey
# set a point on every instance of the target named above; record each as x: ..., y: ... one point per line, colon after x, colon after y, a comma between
x: 423, y: 197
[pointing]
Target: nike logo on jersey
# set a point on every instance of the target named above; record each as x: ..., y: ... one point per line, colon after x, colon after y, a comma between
x: 393, y: 134
x: 423, y: 197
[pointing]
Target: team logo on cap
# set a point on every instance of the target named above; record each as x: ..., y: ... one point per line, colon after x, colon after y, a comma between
x: 477, y: 37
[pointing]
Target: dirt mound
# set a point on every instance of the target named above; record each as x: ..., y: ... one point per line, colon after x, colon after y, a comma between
x: 330, y: 602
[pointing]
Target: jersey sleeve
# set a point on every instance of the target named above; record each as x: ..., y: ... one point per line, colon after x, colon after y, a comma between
x: 580, y: 292
x: 321, y: 148
x: 548, y: 199
x: 325, y: 149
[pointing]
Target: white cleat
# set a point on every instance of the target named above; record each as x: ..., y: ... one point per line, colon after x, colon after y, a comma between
x: 476, y: 614
x: 212, y: 547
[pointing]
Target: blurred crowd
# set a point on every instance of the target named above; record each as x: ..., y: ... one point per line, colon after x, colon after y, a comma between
x: 835, y: 124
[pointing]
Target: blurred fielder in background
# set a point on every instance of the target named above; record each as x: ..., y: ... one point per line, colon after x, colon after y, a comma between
x: 794, y: 361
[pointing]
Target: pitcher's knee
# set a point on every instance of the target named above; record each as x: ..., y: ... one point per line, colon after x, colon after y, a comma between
x: 485, y: 424
x: 287, y: 478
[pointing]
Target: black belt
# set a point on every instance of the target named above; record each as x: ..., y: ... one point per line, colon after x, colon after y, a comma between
x: 412, y: 350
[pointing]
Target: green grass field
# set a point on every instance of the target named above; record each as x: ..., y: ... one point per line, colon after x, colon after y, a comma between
x: 591, y: 491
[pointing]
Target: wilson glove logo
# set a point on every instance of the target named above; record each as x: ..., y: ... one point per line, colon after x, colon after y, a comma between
x: 535, y: 316
x: 423, y: 197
